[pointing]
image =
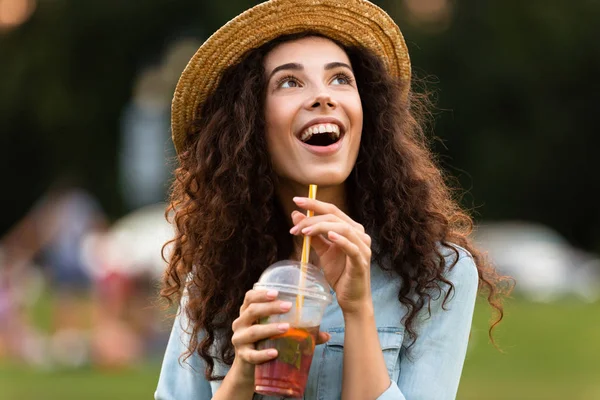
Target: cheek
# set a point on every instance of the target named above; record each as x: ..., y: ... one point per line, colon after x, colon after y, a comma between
x: 358, y: 107
x: 274, y: 132
x: 277, y: 149
x: 356, y: 113
x: 275, y: 113
x: 279, y: 116
x: 352, y: 106
x: 271, y: 123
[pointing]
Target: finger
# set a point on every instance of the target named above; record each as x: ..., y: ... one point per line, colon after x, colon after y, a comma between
x: 257, y: 356
x: 321, y: 207
x: 366, y: 239
x: 254, y: 333
x: 301, y: 221
x: 341, y: 228
x: 297, y: 216
x: 308, y: 221
x: 362, y: 259
x: 346, y: 238
x: 256, y: 311
x: 258, y: 296
x: 323, y: 337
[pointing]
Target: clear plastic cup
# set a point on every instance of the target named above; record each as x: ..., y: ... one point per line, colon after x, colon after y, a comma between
x: 287, y: 374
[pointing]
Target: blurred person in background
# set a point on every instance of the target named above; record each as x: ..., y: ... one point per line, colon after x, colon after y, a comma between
x: 144, y: 131
x: 20, y: 339
x: 145, y: 143
x: 242, y: 124
x: 130, y: 265
x: 52, y: 235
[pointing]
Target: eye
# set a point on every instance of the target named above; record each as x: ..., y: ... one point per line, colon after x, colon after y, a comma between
x: 287, y: 82
x: 342, y: 79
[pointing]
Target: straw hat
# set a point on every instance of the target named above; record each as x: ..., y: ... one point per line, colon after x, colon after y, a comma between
x: 351, y: 22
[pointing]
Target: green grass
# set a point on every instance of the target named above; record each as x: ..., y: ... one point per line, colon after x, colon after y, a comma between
x: 18, y: 383
x: 550, y: 351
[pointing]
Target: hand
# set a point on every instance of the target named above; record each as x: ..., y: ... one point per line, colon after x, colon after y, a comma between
x: 344, y: 250
x: 246, y: 332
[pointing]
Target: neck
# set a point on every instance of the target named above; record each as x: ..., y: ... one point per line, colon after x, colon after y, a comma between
x: 335, y: 195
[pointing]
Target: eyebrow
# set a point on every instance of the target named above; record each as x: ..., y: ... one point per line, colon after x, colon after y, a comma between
x: 337, y: 64
x: 300, y: 67
x: 288, y: 66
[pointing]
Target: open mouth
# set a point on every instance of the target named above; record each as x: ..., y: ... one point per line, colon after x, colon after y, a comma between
x: 321, y: 135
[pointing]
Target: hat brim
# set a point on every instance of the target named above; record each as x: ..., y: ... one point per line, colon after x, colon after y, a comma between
x: 351, y: 22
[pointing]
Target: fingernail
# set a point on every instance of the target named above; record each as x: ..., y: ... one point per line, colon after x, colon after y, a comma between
x: 272, y: 294
x: 286, y: 305
x: 272, y: 352
x: 283, y: 327
x: 334, y: 236
x: 307, y: 230
x: 294, y: 230
x: 299, y: 200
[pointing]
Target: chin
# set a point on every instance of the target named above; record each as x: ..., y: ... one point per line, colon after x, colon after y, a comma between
x: 324, y: 178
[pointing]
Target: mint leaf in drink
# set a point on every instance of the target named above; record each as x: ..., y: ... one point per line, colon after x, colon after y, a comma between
x: 292, y: 347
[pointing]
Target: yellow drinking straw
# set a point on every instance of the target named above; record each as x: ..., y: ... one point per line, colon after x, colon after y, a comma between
x: 312, y: 194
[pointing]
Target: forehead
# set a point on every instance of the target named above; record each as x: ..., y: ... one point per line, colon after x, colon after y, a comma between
x: 312, y: 50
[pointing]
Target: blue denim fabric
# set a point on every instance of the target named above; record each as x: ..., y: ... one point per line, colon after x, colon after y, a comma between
x: 430, y: 371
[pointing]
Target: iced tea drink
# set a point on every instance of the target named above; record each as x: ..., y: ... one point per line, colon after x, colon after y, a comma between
x: 287, y: 374
x: 305, y: 286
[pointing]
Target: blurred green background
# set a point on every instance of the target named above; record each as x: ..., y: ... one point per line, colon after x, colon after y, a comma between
x: 516, y: 88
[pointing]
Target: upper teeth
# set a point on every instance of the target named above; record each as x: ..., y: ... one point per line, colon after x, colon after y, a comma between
x: 332, y: 129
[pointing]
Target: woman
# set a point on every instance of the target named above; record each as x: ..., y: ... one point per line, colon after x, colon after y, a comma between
x: 299, y: 92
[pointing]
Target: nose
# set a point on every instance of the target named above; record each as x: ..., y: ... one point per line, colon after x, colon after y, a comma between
x: 322, y: 100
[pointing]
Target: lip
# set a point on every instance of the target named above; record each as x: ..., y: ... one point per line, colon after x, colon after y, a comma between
x: 323, y: 150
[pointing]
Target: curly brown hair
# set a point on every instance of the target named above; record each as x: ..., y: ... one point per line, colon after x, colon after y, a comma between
x: 230, y: 225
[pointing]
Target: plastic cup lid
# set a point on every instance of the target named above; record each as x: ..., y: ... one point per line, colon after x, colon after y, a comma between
x: 286, y: 277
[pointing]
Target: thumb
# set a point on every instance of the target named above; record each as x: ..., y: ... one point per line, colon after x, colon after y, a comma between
x: 323, y: 337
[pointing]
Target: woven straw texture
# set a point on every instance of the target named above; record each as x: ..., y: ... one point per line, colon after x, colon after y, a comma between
x: 351, y: 22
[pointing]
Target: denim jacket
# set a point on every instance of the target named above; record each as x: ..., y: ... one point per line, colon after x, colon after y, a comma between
x: 430, y: 371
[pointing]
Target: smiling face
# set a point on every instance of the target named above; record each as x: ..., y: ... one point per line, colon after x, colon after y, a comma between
x: 313, y: 112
